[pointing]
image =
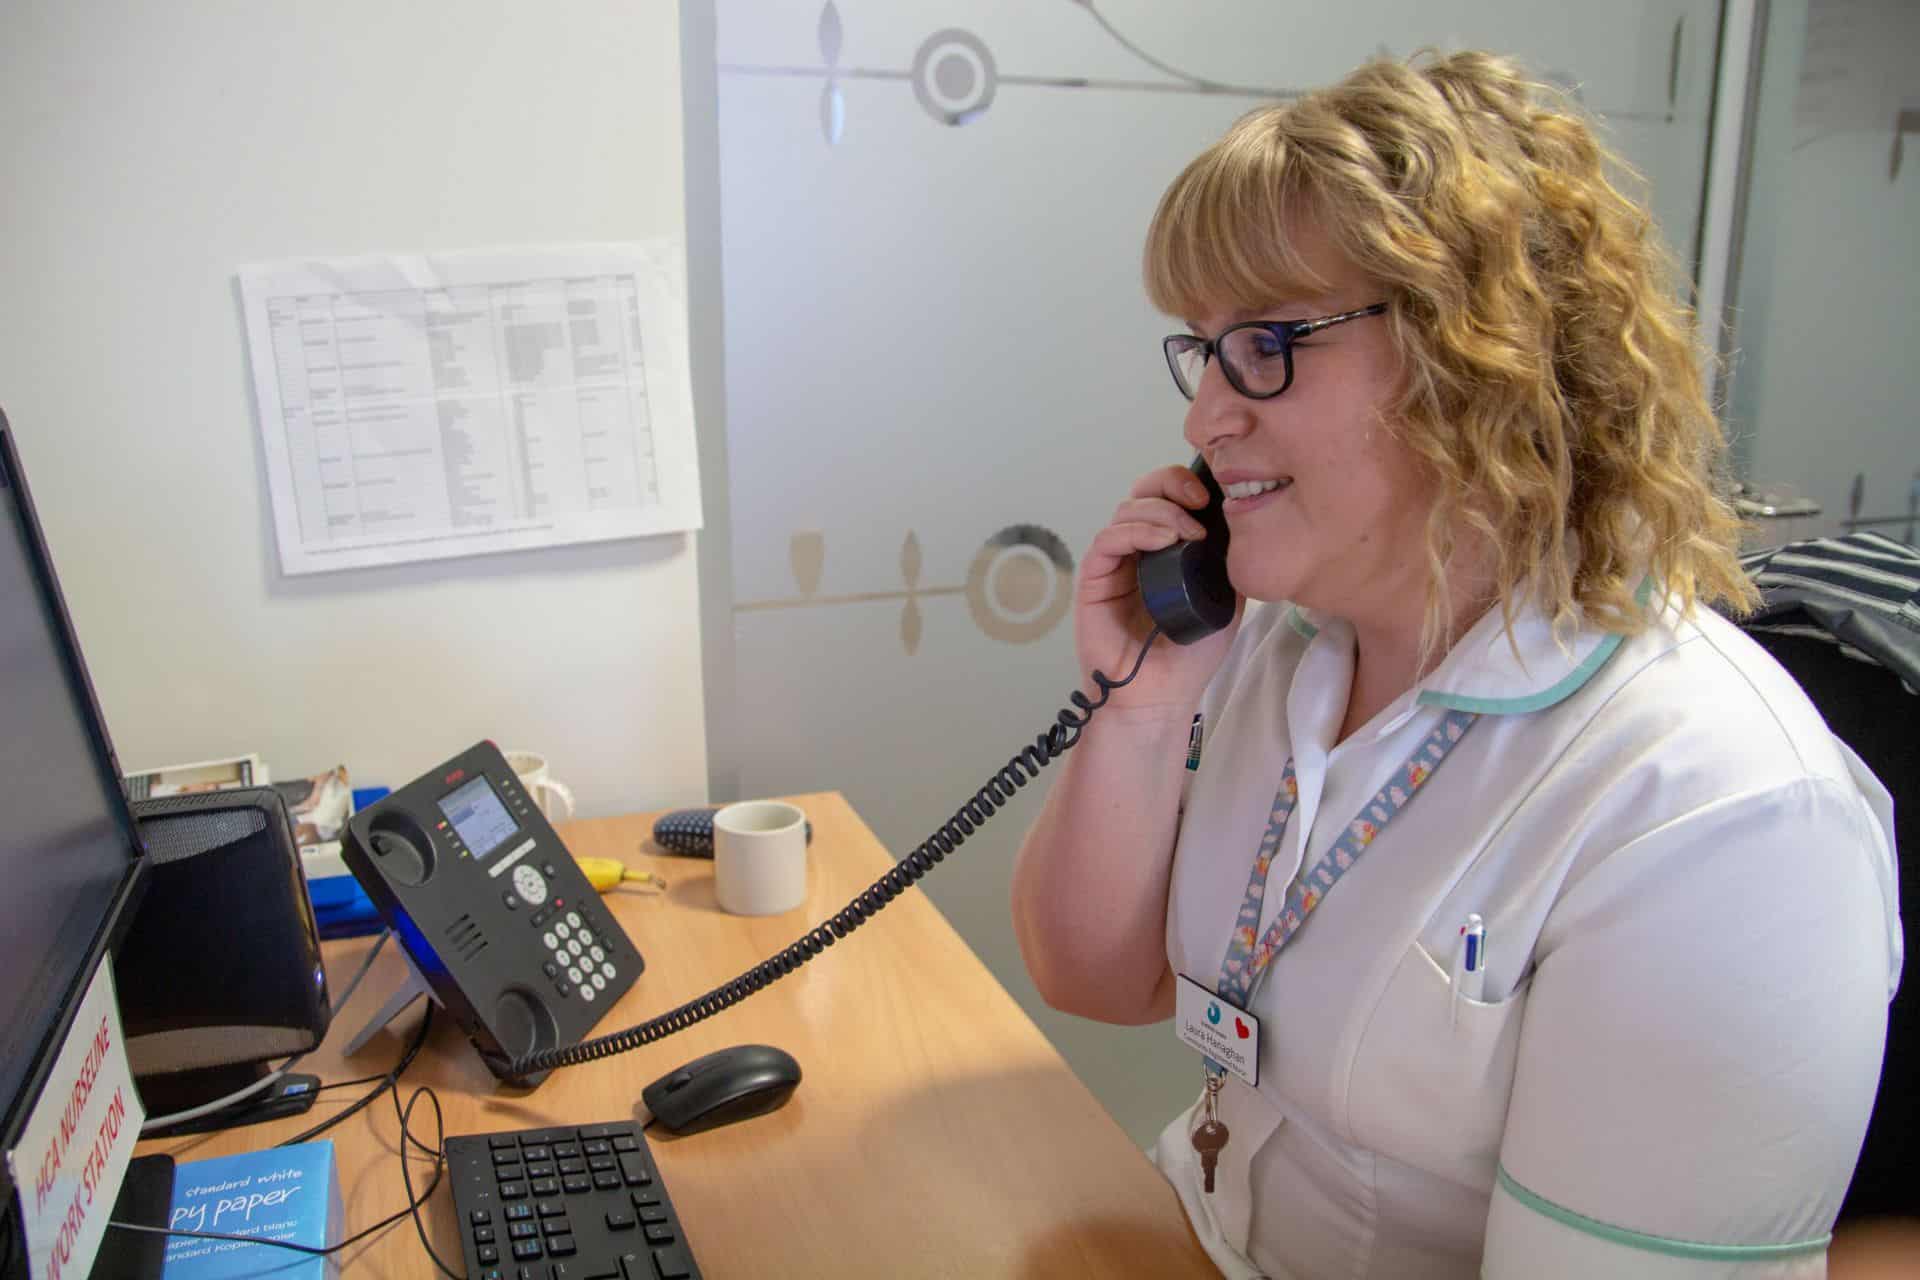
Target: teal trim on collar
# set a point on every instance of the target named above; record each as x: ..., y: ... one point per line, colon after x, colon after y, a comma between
x: 1298, y: 621
x: 1533, y: 701
x: 1557, y: 692
x: 1655, y: 1244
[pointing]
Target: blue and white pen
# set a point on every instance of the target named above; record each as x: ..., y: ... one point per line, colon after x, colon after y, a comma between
x: 1473, y: 958
x: 1469, y: 967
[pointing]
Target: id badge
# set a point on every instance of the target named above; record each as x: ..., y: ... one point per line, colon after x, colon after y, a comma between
x: 1216, y: 1028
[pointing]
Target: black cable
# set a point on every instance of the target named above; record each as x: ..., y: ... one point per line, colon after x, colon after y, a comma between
x: 240, y: 1108
x: 1060, y: 737
x: 388, y: 1081
x: 440, y: 1157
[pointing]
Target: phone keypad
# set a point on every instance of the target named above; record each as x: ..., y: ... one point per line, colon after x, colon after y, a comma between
x: 579, y: 959
x: 576, y: 961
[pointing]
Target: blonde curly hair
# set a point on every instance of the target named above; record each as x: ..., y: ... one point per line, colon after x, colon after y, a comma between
x: 1551, y: 378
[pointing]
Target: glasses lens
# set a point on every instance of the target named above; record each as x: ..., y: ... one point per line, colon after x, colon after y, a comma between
x: 1187, y: 358
x: 1258, y: 360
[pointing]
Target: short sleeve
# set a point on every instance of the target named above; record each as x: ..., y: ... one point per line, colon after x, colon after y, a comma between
x: 1701, y: 1047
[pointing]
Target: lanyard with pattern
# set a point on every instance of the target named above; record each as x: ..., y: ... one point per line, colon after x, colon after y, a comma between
x: 1249, y: 955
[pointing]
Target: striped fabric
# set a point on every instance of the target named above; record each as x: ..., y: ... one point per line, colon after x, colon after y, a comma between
x: 1860, y: 591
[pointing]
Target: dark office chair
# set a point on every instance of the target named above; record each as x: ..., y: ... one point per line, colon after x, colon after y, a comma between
x: 1842, y: 615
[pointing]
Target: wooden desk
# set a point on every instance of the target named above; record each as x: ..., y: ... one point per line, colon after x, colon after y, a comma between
x: 936, y: 1132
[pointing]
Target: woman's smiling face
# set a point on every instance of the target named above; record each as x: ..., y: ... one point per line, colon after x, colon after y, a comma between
x: 1326, y: 506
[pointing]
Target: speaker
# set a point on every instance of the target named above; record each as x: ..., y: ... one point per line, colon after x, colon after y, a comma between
x: 220, y: 971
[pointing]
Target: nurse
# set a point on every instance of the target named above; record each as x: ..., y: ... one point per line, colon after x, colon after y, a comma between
x: 1523, y: 917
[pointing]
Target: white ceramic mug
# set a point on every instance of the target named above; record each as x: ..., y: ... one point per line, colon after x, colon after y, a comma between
x: 760, y: 857
x: 541, y: 784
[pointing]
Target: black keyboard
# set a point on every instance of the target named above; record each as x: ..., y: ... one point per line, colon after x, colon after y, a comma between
x: 565, y: 1204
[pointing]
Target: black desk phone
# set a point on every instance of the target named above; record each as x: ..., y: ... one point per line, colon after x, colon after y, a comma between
x: 515, y: 944
x: 492, y: 910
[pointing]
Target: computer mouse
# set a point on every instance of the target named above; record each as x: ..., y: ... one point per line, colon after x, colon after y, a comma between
x: 739, y: 1083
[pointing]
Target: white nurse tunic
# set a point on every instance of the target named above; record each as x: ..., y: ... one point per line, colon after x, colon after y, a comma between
x: 1692, y: 934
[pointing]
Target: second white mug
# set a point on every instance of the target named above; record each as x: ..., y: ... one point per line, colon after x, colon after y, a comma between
x: 551, y: 794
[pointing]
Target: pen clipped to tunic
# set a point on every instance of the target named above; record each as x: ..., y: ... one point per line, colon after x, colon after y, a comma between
x: 1469, y: 965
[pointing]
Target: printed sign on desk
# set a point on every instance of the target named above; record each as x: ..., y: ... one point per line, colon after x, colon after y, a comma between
x: 77, y: 1143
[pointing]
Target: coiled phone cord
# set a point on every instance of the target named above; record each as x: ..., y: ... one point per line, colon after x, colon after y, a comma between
x: 1060, y: 737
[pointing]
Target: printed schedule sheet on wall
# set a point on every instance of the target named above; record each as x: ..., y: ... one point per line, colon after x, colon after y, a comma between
x: 427, y: 406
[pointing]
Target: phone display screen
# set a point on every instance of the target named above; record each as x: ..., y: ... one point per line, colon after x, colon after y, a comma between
x: 477, y: 814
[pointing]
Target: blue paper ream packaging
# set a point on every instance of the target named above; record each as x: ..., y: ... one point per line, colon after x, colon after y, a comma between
x: 283, y: 1193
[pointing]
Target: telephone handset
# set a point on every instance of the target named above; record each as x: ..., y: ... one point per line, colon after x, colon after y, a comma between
x: 1185, y: 586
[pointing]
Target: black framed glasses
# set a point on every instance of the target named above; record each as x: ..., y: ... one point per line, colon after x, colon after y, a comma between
x: 1256, y: 356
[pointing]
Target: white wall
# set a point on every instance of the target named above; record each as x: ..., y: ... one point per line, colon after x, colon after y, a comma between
x: 151, y: 149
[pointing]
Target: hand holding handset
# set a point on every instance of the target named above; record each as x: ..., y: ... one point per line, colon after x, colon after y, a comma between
x: 1185, y: 586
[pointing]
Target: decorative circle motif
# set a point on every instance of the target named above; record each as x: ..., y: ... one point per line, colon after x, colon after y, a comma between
x: 1020, y: 584
x: 953, y: 76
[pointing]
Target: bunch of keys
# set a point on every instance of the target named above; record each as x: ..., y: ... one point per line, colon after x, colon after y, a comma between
x: 1211, y: 1136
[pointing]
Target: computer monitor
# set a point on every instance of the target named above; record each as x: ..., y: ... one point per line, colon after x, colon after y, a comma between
x: 70, y: 853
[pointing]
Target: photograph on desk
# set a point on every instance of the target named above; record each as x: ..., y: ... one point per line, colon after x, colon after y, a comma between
x: 205, y: 775
x: 319, y: 807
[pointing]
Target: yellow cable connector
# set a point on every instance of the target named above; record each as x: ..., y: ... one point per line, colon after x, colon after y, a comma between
x: 607, y: 874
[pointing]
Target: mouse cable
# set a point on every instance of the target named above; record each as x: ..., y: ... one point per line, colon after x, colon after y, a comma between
x: 322, y: 1251
x: 1060, y: 737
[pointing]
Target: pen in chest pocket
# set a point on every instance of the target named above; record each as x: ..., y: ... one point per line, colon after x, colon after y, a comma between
x: 1469, y: 965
